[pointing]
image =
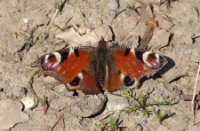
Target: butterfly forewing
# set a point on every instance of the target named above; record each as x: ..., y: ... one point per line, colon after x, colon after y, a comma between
x: 137, y: 64
x: 66, y: 64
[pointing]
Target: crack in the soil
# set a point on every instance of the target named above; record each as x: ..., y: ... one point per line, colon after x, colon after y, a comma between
x: 29, y: 42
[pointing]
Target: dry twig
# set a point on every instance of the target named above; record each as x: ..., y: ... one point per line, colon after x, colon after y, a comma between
x: 194, y: 93
x: 54, y: 125
x: 148, y: 34
x: 189, y: 97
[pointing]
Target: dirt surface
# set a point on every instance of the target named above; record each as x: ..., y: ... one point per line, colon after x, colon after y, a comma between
x: 27, y: 32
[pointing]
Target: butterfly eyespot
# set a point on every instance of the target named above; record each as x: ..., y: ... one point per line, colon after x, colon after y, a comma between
x: 51, y: 60
x: 75, y: 81
x: 152, y: 55
x: 128, y: 81
x: 152, y: 60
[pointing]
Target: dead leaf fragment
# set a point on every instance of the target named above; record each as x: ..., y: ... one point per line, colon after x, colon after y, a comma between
x: 116, y: 103
x: 11, y: 114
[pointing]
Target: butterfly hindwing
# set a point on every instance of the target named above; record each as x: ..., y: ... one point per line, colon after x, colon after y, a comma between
x: 114, y: 81
x: 88, y: 85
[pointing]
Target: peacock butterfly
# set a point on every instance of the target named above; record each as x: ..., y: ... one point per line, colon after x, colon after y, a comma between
x: 95, y: 69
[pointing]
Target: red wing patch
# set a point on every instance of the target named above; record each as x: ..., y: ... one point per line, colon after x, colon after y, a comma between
x: 129, y: 64
x: 69, y: 68
x: 64, y: 65
x: 89, y: 85
x: 114, y: 82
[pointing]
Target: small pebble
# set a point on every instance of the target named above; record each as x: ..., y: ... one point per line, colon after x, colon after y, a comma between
x: 116, y: 103
x: 28, y: 102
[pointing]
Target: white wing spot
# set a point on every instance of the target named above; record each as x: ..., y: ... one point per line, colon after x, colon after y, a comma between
x: 145, y: 57
x: 58, y: 58
x: 157, y: 58
x: 71, y: 51
x: 132, y: 51
x: 46, y: 59
x: 80, y: 75
x: 122, y: 76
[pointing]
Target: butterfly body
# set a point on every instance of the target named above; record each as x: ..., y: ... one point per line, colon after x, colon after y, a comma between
x: 95, y: 69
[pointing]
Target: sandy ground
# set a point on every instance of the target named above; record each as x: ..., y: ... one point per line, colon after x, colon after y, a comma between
x: 26, y: 34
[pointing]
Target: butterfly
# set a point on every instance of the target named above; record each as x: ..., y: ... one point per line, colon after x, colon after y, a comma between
x: 96, y: 69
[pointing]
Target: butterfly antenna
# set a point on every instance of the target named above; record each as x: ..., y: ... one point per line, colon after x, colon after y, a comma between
x: 110, y: 28
x: 89, y: 24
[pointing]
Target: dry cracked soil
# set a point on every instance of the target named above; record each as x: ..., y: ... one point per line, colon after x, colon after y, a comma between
x: 29, y: 29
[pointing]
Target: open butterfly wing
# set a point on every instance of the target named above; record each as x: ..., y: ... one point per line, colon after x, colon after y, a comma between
x: 133, y: 63
x: 64, y: 64
x: 128, y: 63
x: 67, y: 64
